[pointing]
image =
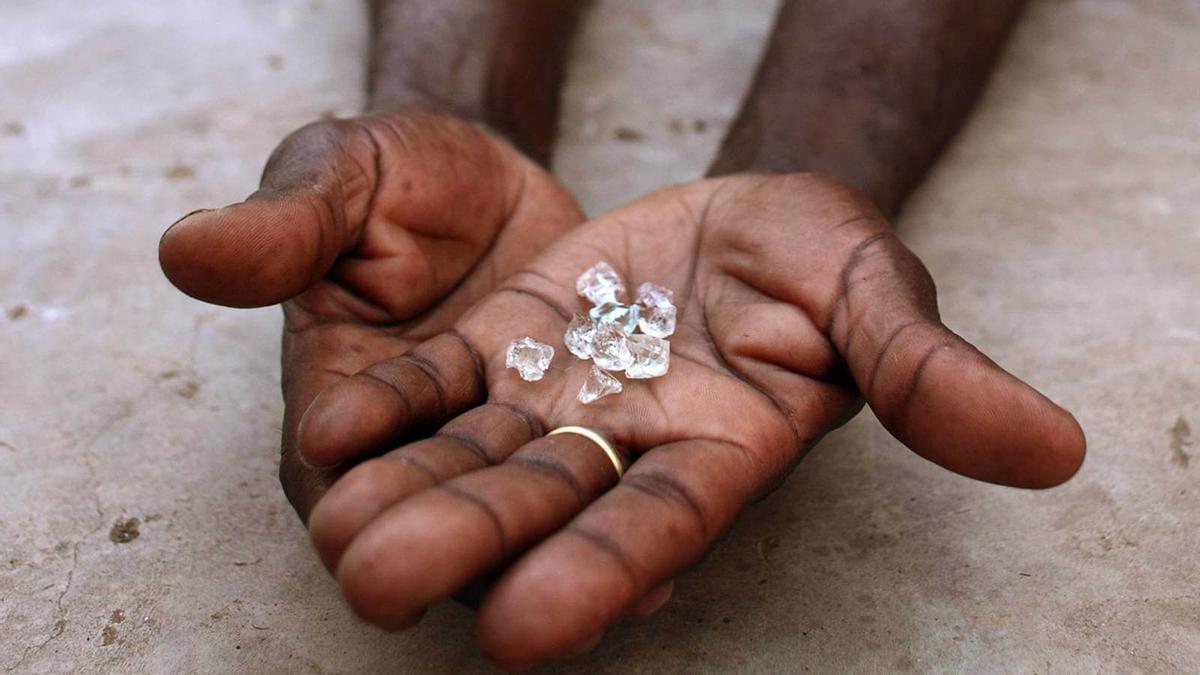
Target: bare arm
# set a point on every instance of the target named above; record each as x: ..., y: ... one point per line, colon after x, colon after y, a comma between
x: 866, y: 91
x: 496, y: 62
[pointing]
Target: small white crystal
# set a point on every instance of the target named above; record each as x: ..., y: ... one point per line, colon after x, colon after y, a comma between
x: 578, y: 337
x: 651, y: 357
x: 658, y: 310
x: 530, y: 357
x: 623, y: 316
x: 600, y: 283
x: 598, y: 385
x: 610, y: 348
x: 652, y: 295
x: 658, y: 321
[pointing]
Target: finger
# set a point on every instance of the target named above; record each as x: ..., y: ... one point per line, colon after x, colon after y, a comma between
x: 670, y: 507
x: 654, y: 600
x: 418, y: 196
x: 932, y: 389
x: 877, y: 304
x: 458, y: 531
x: 584, y: 647
x: 312, y: 203
x: 385, y: 402
x: 315, y: 356
x: 476, y: 439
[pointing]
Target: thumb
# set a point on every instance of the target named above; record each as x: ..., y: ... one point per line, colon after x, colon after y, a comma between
x: 313, y: 199
x: 936, y: 392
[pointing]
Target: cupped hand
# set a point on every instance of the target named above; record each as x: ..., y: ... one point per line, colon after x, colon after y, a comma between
x: 375, y: 233
x: 796, y: 303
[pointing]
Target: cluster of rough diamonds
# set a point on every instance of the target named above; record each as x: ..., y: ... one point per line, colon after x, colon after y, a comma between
x: 608, y: 335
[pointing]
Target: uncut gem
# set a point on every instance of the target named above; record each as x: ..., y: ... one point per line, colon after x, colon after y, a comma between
x: 624, y: 317
x: 652, y: 295
x: 610, y: 348
x: 651, y: 357
x: 598, y: 385
x: 578, y: 338
x: 600, y: 283
x: 529, y: 357
x: 658, y: 310
x: 658, y: 321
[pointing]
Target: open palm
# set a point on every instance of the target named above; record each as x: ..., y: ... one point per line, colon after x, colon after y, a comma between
x: 376, y: 233
x: 796, y: 302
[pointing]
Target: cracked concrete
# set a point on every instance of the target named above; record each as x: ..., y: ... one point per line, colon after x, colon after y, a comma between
x: 60, y: 623
x: 1062, y: 229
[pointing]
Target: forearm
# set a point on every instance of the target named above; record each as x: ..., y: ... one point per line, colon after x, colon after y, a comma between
x: 866, y: 91
x: 499, y: 62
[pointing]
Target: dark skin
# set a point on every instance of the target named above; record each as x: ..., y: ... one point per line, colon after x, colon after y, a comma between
x: 410, y: 248
x: 864, y: 91
x: 499, y: 63
x: 375, y: 234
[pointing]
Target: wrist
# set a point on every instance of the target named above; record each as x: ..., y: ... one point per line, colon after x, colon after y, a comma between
x: 868, y: 93
x: 777, y: 132
x: 499, y: 64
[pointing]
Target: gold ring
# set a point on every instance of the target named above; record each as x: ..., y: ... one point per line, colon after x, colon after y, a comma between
x: 599, y: 440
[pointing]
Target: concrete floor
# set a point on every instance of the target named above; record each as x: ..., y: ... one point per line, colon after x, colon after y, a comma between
x: 1063, y: 228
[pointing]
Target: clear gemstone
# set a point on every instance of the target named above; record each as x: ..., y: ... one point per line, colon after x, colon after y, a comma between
x: 610, y: 348
x: 651, y: 357
x: 652, y: 295
x: 658, y: 321
x: 658, y: 310
x: 530, y: 357
x: 578, y: 337
x: 623, y: 316
x: 598, y: 385
x: 600, y: 283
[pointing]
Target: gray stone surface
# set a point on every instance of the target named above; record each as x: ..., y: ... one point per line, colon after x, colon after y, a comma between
x: 1063, y: 228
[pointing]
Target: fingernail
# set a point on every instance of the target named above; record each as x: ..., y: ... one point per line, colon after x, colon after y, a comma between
x: 185, y: 216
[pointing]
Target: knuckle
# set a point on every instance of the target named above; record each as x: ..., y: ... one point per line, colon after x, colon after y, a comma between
x: 314, y: 136
x: 303, y: 155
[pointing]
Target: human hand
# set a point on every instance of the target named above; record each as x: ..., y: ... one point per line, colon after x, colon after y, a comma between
x: 795, y: 301
x: 375, y: 233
